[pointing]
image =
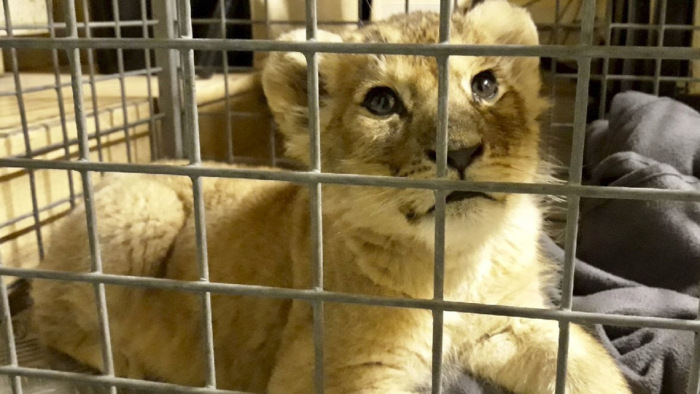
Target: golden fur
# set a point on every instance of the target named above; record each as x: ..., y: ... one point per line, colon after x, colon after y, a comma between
x: 376, y: 241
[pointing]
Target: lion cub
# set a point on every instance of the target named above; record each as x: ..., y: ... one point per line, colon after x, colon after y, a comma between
x: 378, y: 116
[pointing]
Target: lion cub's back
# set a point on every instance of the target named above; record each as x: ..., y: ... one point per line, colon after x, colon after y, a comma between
x: 145, y: 226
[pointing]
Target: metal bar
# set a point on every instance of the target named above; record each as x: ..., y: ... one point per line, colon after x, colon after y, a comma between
x: 267, y: 19
x: 233, y: 21
x: 149, y: 90
x: 59, y: 97
x: 273, y: 142
x: 616, y: 192
x: 315, y: 197
x: 88, y: 196
x: 10, y: 346
x: 618, y: 77
x: 25, y: 128
x: 145, y: 386
x: 328, y: 296
x: 227, y: 99
x: 81, y: 25
x: 441, y: 142
x: 93, y: 87
x: 122, y: 83
x: 191, y: 127
x: 643, y: 26
x: 201, y: 44
x: 66, y: 144
x: 19, y: 218
x: 660, y: 43
x: 108, y: 77
x: 98, y: 78
x: 554, y: 38
x: 168, y: 83
x: 575, y: 175
x: 271, y: 122
x: 694, y: 378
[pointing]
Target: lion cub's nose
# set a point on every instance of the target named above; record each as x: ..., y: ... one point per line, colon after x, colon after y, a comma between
x: 459, y: 159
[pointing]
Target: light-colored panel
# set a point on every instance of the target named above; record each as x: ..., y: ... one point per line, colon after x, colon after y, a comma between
x: 28, y: 13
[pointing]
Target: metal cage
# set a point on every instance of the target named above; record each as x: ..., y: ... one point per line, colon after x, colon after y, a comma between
x: 591, y: 55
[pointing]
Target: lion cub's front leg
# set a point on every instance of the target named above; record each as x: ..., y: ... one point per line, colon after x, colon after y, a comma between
x: 521, y: 355
x: 366, y: 351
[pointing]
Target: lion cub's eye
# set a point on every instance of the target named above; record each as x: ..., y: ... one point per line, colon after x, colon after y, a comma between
x: 382, y: 101
x: 484, y: 86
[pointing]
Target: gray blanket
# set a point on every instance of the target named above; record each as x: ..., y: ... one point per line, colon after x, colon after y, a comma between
x: 639, y: 258
x: 644, y: 256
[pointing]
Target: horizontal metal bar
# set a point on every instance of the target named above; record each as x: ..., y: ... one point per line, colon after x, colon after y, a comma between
x: 231, y: 114
x: 86, y: 80
x: 57, y: 121
x: 567, y: 125
x: 329, y: 296
x: 233, y: 21
x: 560, y: 51
x: 19, y: 218
x: 627, y: 193
x: 102, y: 133
x: 620, y: 77
x: 101, y: 380
x: 232, y: 69
x: 80, y: 25
x: 641, y: 26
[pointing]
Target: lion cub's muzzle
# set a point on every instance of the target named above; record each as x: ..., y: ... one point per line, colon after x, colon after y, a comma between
x: 459, y: 159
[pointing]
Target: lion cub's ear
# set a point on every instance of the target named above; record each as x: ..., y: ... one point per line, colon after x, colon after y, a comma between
x: 284, y: 81
x: 501, y: 23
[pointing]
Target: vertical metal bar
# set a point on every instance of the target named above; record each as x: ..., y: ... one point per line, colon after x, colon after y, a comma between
x: 273, y: 143
x: 441, y: 160
x: 660, y: 31
x: 25, y: 129
x: 602, y: 106
x: 554, y: 39
x: 271, y: 122
x: 59, y: 97
x: 168, y: 82
x: 267, y: 20
x: 88, y: 196
x: 192, y: 130
x: 407, y: 7
x: 359, y: 13
x: 93, y: 87
x: 694, y: 379
x: 315, y: 198
x: 227, y: 98
x: 575, y: 175
x: 149, y: 89
x: 15, y: 381
x: 122, y: 81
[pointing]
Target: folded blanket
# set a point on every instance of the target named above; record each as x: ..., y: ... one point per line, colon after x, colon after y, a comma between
x: 644, y: 256
x: 647, y: 142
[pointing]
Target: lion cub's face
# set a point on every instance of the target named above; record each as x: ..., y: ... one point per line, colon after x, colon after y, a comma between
x: 379, y: 116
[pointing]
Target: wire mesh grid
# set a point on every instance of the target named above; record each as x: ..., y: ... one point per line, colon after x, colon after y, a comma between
x: 172, y: 124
